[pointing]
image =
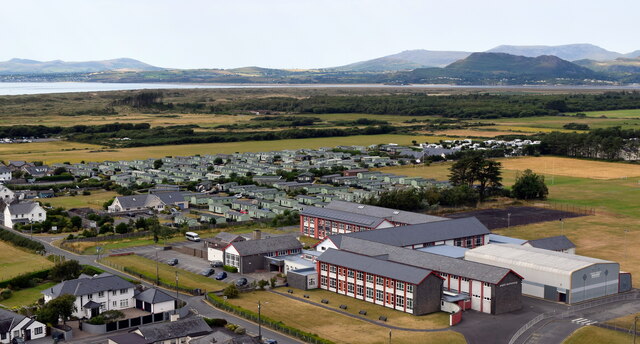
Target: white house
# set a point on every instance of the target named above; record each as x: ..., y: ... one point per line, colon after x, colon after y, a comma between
x: 7, y: 195
x: 95, y: 294
x: 14, y: 325
x: 5, y: 173
x: 23, y: 213
x: 136, y: 202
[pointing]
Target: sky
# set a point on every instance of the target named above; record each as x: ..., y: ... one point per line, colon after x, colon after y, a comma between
x: 300, y: 33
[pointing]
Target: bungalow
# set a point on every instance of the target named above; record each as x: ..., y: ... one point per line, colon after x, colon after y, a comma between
x: 261, y: 213
x: 136, y: 202
x: 23, y: 213
x: 188, y: 330
x: 36, y: 171
x: 14, y: 325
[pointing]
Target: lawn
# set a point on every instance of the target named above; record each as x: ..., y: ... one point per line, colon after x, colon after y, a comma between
x: 396, y: 318
x: 334, y: 326
x: 626, y: 322
x: 94, y: 201
x: 597, y: 335
x: 52, y: 154
x: 572, y: 167
x: 14, y: 261
x: 167, y: 273
x: 26, y: 296
x: 630, y: 113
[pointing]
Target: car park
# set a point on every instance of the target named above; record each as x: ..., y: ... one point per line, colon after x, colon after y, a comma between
x: 221, y: 275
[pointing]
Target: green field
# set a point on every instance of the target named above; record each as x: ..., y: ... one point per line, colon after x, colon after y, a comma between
x: 597, y: 335
x: 94, y: 201
x: 14, y: 261
x: 26, y: 296
x: 334, y: 326
x: 167, y: 273
x: 50, y: 154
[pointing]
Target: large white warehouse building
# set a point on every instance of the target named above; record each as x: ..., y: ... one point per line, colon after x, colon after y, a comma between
x: 552, y: 275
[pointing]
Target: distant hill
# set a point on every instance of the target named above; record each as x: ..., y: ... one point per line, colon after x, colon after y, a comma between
x: 24, y: 66
x: 618, y: 66
x: 406, y: 60
x: 545, y: 66
x: 570, y: 52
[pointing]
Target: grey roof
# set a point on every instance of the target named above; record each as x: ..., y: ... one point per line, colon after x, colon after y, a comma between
x: 473, y: 270
x: 227, y: 237
x: 153, y: 296
x: 445, y: 250
x: 22, y: 208
x: 501, y: 239
x: 425, y: 232
x: 128, y: 338
x: 193, y: 327
x: 394, y: 215
x: 4, y: 169
x: 8, y: 320
x: 88, y: 285
x: 342, y: 216
x: 170, y: 197
x: 272, y: 244
x: 136, y: 201
x: 91, y: 305
x: 556, y: 243
x: 375, y: 266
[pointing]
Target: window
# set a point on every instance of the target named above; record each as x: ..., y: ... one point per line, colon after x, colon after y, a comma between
x: 332, y: 282
x: 332, y: 268
x: 370, y: 278
x: 16, y: 333
x: 487, y: 284
x: 409, y: 288
x: 323, y: 281
x: 323, y: 266
x: 458, y: 242
x: 350, y: 288
x: 115, y: 303
x: 390, y: 283
x: 123, y: 291
x: 350, y: 273
x: 114, y: 292
x: 444, y: 275
x: 409, y: 303
x: 370, y: 293
x: 232, y: 259
x: 359, y: 276
x: 90, y: 296
x: 390, y: 298
x: 103, y: 306
x: 124, y: 303
x: 379, y: 295
x: 399, y: 301
x: 400, y: 285
x: 359, y: 290
x: 37, y: 330
x: 101, y: 294
x: 478, y: 240
x: 468, y: 243
x: 379, y: 280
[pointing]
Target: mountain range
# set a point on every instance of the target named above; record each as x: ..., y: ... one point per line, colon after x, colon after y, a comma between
x: 18, y: 66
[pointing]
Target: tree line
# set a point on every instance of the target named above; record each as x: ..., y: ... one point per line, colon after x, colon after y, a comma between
x: 605, y: 143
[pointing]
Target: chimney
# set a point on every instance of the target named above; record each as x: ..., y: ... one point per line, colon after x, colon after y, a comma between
x: 257, y: 234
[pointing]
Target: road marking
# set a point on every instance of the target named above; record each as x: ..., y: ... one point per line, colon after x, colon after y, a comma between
x: 583, y: 321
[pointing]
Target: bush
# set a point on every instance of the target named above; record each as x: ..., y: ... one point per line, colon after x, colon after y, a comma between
x: 21, y: 241
x: 231, y: 327
x: 231, y: 291
x: 86, y: 193
x: 530, y: 185
x: 24, y: 280
x: 5, y: 294
x: 229, y: 268
x: 262, y: 284
x: 240, y: 330
x: 215, y: 322
x: 91, y: 270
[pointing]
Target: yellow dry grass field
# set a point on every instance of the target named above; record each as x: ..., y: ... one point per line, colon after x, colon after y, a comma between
x: 572, y: 167
x: 334, y: 326
x: 464, y: 133
x: 204, y: 120
x: 51, y: 154
x: 14, y: 261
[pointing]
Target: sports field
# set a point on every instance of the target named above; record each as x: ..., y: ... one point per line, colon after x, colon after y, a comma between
x: 14, y: 261
x: 50, y: 153
x: 334, y: 326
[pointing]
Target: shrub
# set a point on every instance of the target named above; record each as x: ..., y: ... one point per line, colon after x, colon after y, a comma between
x: 216, y: 322
x: 262, y: 284
x: 231, y: 291
x: 86, y: 193
x: 272, y: 281
x: 229, y: 268
x: 21, y: 241
x: 240, y: 330
x: 231, y: 327
x: 5, y: 294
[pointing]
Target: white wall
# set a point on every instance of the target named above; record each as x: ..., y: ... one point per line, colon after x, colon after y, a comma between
x: 163, y: 307
x: 215, y: 254
x: 325, y: 245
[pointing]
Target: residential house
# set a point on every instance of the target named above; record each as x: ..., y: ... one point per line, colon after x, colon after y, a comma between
x: 136, y: 202
x: 27, y: 212
x: 36, y: 171
x: 5, y: 173
x: 6, y: 195
x: 14, y: 325
x: 179, y: 331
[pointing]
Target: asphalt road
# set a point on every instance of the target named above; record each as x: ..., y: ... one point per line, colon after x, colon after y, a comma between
x: 194, y: 302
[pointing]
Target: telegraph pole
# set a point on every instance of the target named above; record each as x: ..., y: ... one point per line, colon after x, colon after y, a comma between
x: 259, y: 324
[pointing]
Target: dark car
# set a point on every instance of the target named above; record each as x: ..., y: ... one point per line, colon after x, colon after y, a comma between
x: 216, y: 264
x: 241, y: 282
x: 17, y: 340
x: 208, y: 272
x: 270, y: 341
x: 172, y: 262
x: 221, y: 275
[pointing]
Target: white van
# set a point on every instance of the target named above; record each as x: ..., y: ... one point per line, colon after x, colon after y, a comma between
x: 192, y: 236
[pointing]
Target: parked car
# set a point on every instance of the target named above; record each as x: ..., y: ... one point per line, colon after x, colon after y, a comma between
x: 208, y: 272
x: 241, y: 282
x: 216, y: 264
x: 221, y: 275
x: 17, y: 340
x: 172, y: 261
x: 270, y: 341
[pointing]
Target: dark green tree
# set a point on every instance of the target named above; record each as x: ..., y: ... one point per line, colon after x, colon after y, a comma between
x: 76, y: 221
x: 122, y: 228
x: 474, y: 168
x: 61, y: 307
x: 66, y: 270
x: 530, y: 185
x: 158, y: 163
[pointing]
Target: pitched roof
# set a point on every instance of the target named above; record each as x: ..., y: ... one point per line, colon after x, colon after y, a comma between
x: 556, y: 243
x: 8, y: 320
x: 4, y: 169
x: 453, y: 266
x: 153, y: 296
x: 342, y: 216
x: 193, y: 327
x: 424, y: 232
x: 272, y: 244
x: 88, y: 285
x: 375, y: 266
x: 170, y: 197
x: 22, y: 208
x: 137, y: 201
x: 128, y: 338
x: 227, y: 237
x: 394, y: 215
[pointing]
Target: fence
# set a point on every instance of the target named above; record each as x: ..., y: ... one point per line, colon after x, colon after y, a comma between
x: 196, y: 252
x: 123, y: 324
x: 113, y: 237
x: 152, y: 279
x: 570, y: 208
x: 267, y: 322
x: 572, y: 311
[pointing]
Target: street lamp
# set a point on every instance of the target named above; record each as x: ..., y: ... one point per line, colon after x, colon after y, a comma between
x: 259, y: 323
x: 157, y: 272
x: 177, y: 297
